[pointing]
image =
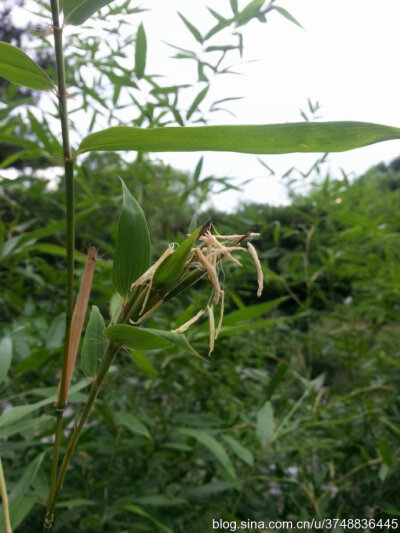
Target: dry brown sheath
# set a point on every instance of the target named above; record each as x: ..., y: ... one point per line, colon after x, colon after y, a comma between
x: 78, y: 318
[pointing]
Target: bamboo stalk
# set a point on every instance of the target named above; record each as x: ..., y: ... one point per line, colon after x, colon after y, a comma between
x: 4, y: 497
x: 70, y: 235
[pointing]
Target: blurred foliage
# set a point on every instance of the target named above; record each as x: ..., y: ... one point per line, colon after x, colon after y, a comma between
x: 295, y: 416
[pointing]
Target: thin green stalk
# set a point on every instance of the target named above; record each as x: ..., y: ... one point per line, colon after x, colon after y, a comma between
x: 4, y: 497
x: 69, y: 179
x: 130, y: 309
x: 56, y: 453
x: 70, y: 222
x: 108, y: 358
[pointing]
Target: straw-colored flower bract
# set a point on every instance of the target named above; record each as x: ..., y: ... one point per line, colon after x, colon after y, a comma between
x: 204, y: 256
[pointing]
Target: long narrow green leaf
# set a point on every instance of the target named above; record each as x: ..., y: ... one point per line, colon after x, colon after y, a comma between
x: 25, y: 424
x: 265, y: 423
x: 215, y: 448
x: 19, y: 501
x: 276, y: 379
x: 287, y: 15
x: 132, y: 254
x: 170, y: 270
x: 252, y: 139
x: 243, y: 453
x: 144, y: 363
x: 130, y: 507
x: 140, y: 52
x: 147, y: 338
x: 18, y: 412
x: 5, y: 357
x: 17, y: 67
x: 193, y: 30
x: 178, y: 339
x: 234, y: 6
x: 77, y: 11
x: 197, y: 101
x: 93, y: 346
x: 133, y: 424
x: 135, y: 338
x: 252, y: 311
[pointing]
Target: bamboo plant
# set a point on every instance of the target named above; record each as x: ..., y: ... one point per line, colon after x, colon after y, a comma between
x: 143, y: 287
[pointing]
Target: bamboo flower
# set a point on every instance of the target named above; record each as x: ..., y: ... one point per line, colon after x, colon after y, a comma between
x: 184, y: 327
x: 260, y: 276
x: 210, y: 309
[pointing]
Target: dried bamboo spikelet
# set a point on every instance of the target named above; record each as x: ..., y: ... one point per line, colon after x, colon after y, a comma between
x: 146, y: 298
x: 212, y: 274
x: 221, y: 315
x: 236, y: 238
x: 78, y: 318
x: 184, y: 327
x: 148, y: 275
x: 219, y: 248
x: 260, y: 276
x: 211, y: 320
x: 147, y: 313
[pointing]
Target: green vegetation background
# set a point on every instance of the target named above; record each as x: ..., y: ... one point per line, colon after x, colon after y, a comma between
x: 297, y: 413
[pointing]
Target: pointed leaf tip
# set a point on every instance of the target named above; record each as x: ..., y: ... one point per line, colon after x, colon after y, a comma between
x: 94, y: 344
x: 140, y: 52
x: 19, y: 68
x: 76, y: 12
x: 132, y: 253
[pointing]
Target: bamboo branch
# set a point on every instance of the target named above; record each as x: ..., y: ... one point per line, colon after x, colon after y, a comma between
x: 70, y: 220
x: 4, y: 497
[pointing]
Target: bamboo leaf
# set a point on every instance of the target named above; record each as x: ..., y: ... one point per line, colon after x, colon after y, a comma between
x: 29, y: 423
x: 178, y: 339
x: 193, y: 30
x: 18, y: 412
x: 287, y: 15
x: 132, y: 254
x: 243, y: 453
x: 135, y: 338
x: 76, y: 12
x: 197, y: 101
x: 252, y: 311
x: 116, y: 304
x: 170, y: 270
x: 253, y: 139
x: 265, y: 423
x: 140, y: 52
x: 234, y: 6
x: 93, y: 343
x: 276, y: 379
x: 385, y: 451
x: 133, y: 424
x: 160, y: 500
x: 144, y: 363
x: 135, y: 509
x: 25, y: 480
x: 217, y: 16
x: 17, y: 67
x: 56, y: 332
x: 215, y: 448
x: 20, y: 502
x: 147, y: 338
x: 5, y: 357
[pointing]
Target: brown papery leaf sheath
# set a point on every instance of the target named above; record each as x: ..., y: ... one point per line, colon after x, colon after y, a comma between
x: 78, y: 318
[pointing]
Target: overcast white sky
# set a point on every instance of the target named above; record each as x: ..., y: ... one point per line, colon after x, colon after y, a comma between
x: 346, y: 58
